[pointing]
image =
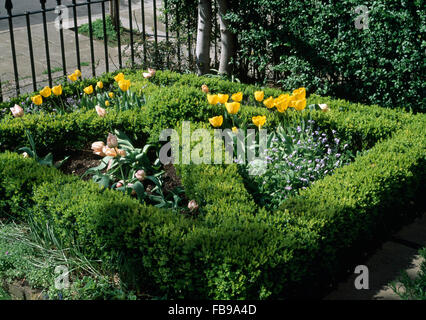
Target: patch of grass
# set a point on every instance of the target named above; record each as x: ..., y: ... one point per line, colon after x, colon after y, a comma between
x: 57, y: 69
x: 53, y: 70
x: 412, y: 289
x: 98, y: 31
x: 32, y: 252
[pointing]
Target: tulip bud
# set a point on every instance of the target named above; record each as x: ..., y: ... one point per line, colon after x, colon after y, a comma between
x: 324, y: 107
x: 25, y: 155
x: 205, y: 89
x: 17, y: 111
x: 100, y: 111
x: 140, y: 175
x: 112, y: 141
x: 119, y: 184
x: 192, y: 205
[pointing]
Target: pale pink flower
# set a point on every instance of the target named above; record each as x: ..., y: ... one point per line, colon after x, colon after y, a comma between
x: 140, y: 175
x: 100, y: 111
x: 150, y: 73
x: 17, y: 111
x: 98, y: 148
x: 324, y: 107
x: 192, y: 205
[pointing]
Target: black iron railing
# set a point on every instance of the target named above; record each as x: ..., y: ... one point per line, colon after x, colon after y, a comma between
x: 76, y: 7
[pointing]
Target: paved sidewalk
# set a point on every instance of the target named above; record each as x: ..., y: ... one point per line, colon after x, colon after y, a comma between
x: 37, y: 32
x: 385, y: 266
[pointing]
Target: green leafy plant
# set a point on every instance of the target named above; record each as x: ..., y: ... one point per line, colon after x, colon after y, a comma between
x: 130, y: 170
x: 296, y: 157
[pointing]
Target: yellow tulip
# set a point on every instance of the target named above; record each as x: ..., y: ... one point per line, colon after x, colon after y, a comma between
x: 292, y: 102
x: 232, y: 107
x: 57, y: 91
x: 259, y: 95
x: 234, y: 129
x: 269, y: 103
x: 119, y: 77
x: 107, y: 103
x: 223, y: 98
x: 124, y: 85
x: 46, y: 92
x: 259, y: 121
x: 100, y: 85
x: 37, y: 100
x: 111, y: 95
x: 77, y: 73
x: 72, y: 77
x: 237, y: 97
x: 216, y: 121
x: 213, y: 99
x: 282, y: 102
x: 88, y: 90
x: 299, y: 94
x: 299, y: 105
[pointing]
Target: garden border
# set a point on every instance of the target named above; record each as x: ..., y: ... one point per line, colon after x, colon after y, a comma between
x: 236, y: 250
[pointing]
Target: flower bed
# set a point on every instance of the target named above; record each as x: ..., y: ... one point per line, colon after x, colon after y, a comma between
x: 234, y: 248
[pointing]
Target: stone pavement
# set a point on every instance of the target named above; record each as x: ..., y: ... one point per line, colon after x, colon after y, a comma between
x: 385, y: 266
x: 23, y: 56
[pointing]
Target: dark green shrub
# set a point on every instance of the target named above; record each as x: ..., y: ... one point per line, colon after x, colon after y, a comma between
x: 231, y: 249
x: 366, y: 199
x: 317, y: 45
x: 19, y: 177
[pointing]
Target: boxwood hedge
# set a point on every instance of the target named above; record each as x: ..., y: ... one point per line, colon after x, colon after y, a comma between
x: 233, y: 249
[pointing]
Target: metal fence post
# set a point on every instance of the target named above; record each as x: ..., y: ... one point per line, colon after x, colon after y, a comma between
x: 117, y: 17
x: 30, y: 46
x: 61, y: 39
x: 46, y: 41
x: 9, y: 7
x: 92, y: 51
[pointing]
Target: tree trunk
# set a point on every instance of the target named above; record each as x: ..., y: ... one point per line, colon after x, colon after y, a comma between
x: 113, y: 6
x: 228, y: 40
x: 203, y: 36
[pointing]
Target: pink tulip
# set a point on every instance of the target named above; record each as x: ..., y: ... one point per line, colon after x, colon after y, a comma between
x: 98, y: 147
x: 150, y: 73
x: 140, y: 175
x: 100, y: 111
x: 121, y: 153
x: 324, y: 107
x: 192, y: 205
x: 17, y: 111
